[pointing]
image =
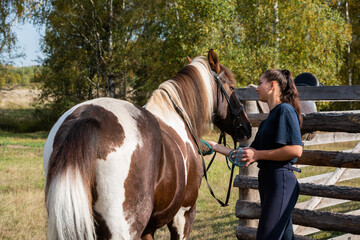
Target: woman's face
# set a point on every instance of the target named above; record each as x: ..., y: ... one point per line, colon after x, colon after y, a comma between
x: 263, y: 89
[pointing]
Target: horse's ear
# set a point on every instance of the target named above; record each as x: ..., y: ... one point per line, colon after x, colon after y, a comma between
x: 189, y: 59
x: 214, y: 61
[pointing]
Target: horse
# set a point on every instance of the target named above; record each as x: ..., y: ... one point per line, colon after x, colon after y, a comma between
x: 115, y: 170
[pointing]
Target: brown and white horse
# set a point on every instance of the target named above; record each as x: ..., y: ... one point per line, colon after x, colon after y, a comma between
x: 115, y: 170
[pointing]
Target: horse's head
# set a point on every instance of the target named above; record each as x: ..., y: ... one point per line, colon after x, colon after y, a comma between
x: 229, y: 113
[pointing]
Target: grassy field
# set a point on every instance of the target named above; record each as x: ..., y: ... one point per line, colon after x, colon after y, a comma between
x: 22, y: 208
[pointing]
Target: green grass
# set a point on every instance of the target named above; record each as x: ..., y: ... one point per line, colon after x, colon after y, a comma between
x: 22, y: 208
x: 34, y: 140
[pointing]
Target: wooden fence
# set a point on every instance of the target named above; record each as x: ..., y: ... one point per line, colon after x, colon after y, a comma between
x: 321, y: 187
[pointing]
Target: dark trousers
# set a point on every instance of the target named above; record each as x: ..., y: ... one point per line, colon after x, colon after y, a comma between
x: 279, y: 191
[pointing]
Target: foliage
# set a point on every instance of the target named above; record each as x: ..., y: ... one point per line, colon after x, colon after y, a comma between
x: 21, y: 76
x: 10, y: 12
x: 130, y: 47
x: 13, y: 11
x: 125, y: 49
x: 24, y: 120
x: 351, y: 68
x: 299, y: 35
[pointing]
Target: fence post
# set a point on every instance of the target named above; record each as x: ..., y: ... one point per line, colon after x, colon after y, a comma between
x: 251, y: 171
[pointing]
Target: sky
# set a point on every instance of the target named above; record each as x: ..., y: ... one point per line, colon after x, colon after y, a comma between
x: 28, y: 42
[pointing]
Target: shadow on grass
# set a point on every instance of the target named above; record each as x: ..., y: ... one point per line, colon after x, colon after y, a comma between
x: 22, y: 120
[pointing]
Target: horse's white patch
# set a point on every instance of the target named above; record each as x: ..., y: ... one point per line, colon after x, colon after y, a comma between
x: 207, y: 78
x: 180, y: 220
x: 112, y: 173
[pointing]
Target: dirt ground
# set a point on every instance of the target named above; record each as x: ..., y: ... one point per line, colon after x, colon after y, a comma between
x: 17, y: 98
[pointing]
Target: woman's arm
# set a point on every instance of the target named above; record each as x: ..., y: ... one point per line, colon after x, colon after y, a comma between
x: 284, y: 153
x: 251, y: 155
x: 220, y: 148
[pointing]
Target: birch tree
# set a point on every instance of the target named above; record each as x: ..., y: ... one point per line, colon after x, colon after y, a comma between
x: 300, y: 35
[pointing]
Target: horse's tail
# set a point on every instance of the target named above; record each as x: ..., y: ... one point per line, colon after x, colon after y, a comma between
x: 70, y: 180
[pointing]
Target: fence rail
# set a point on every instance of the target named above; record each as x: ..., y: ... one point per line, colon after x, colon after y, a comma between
x: 330, y: 159
x: 321, y: 93
x: 328, y: 122
x: 339, y: 192
x: 334, y: 137
x: 327, y: 221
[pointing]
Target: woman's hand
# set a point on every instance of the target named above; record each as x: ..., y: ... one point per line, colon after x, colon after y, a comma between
x: 249, y: 156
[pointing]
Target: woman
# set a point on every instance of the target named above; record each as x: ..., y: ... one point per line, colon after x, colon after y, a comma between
x: 276, y: 147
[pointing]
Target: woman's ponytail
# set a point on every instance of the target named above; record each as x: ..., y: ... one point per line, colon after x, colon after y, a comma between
x: 290, y: 93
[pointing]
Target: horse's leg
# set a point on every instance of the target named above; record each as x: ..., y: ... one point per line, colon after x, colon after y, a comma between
x: 182, y: 223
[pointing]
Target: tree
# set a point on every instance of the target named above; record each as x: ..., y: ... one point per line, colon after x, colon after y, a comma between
x: 350, y: 10
x: 13, y: 11
x: 125, y: 49
x: 300, y: 35
x: 185, y: 28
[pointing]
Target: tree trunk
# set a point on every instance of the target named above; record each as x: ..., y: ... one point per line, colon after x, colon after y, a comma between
x: 110, y: 78
x: 348, y: 49
x: 276, y: 29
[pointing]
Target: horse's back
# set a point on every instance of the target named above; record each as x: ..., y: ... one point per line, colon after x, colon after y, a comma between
x: 124, y: 142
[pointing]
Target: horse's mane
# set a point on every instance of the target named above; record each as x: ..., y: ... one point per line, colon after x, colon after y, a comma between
x: 192, y: 91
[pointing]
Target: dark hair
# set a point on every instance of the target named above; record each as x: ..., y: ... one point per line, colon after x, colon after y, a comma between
x: 289, y: 93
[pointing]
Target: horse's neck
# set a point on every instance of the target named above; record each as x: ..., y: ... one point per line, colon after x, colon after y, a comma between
x: 174, y: 113
x: 164, y: 110
x: 170, y: 122
x: 165, y: 114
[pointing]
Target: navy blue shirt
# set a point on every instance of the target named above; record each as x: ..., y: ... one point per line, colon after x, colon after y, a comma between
x: 280, y: 128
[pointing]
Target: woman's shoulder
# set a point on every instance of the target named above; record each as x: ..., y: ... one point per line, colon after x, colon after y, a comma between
x: 286, y: 107
x: 288, y: 111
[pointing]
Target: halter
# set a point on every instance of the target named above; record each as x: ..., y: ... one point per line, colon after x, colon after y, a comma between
x: 234, y: 116
x: 221, y: 91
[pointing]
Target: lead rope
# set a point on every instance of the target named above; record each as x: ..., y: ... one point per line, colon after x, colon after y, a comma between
x: 222, y: 138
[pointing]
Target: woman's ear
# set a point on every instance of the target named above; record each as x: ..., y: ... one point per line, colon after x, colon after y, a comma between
x: 274, y: 84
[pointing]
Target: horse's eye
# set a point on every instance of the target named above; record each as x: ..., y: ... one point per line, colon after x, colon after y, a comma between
x: 232, y: 88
